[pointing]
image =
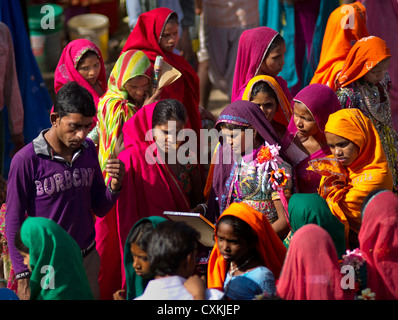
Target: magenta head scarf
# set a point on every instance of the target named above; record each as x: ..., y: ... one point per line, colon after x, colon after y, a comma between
x: 320, y: 100
x: 66, y: 68
x: 252, y: 48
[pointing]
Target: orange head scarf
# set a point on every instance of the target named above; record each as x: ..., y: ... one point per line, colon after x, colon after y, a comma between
x: 284, y: 112
x: 269, y: 247
x: 345, y: 26
x: 345, y: 188
x: 363, y: 56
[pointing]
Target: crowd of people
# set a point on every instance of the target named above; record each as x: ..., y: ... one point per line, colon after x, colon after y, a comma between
x: 301, y: 185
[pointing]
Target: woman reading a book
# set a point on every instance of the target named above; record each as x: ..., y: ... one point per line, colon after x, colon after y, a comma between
x: 156, y: 179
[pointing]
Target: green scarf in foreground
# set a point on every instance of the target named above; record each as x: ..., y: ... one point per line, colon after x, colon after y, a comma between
x: 56, y: 262
x: 306, y: 208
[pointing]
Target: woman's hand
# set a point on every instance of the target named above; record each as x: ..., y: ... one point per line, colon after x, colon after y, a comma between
x: 119, y: 295
x: 155, y: 97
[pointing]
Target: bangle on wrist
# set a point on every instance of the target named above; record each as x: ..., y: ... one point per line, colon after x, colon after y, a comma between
x: 204, y: 206
x: 113, y: 191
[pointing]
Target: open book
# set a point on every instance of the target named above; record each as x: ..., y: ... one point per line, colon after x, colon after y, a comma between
x: 165, y: 74
x: 196, y: 221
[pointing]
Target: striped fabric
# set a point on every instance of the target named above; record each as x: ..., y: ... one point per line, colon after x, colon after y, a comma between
x: 114, y: 109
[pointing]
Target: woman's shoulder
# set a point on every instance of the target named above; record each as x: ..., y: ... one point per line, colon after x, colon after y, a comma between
x: 264, y: 278
x: 260, y: 272
x: 349, y: 97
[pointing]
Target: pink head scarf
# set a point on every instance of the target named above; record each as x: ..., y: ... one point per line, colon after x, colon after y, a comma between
x: 320, y: 100
x: 252, y: 48
x: 378, y: 241
x: 66, y: 69
x: 311, y: 270
x: 149, y: 187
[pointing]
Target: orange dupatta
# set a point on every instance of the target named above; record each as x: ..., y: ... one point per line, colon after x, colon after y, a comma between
x: 338, y: 41
x: 269, y: 247
x: 284, y: 112
x: 345, y: 188
x: 363, y: 56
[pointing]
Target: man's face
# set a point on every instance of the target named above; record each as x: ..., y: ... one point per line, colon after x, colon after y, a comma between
x: 72, y: 129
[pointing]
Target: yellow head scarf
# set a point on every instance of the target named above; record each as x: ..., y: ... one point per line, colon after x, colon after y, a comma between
x: 345, y: 188
x: 284, y: 112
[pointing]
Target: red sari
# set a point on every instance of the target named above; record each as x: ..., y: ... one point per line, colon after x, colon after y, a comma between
x: 145, y: 37
x: 149, y: 188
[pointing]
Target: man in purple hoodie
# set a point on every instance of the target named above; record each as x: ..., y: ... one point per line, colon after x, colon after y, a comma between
x: 58, y: 176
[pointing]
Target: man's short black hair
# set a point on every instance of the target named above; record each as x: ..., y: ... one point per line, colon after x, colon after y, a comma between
x: 169, y: 244
x: 73, y: 98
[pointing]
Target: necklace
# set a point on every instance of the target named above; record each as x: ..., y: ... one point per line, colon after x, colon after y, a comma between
x: 232, y: 272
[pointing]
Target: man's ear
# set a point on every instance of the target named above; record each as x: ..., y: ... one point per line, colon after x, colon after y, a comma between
x: 53, y: 118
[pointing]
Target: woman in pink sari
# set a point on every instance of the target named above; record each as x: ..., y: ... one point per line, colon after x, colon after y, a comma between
x: 305, y: 139
x: 311, y: 270
x: 153, y: 183
x: 261, y: 51
x: 378, y: 242
x: 81, y: 61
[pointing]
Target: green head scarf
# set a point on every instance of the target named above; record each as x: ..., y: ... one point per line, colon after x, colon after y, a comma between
x: 136, y: 284
x: 56, y: 262
x: 306, y: 208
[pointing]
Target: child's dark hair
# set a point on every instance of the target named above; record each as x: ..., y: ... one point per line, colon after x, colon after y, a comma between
x: 140, y: 235
x: 87, y: 54
x: 173, y: 18
x: 241, y: 228
x: 168, y: 110
x: 73, y: 98
x: 278, y: 40
x: 231, y: 126
x: 263, y: 86
x: 19, y: 244
x: 369, y: 197
x: 169, y: 244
